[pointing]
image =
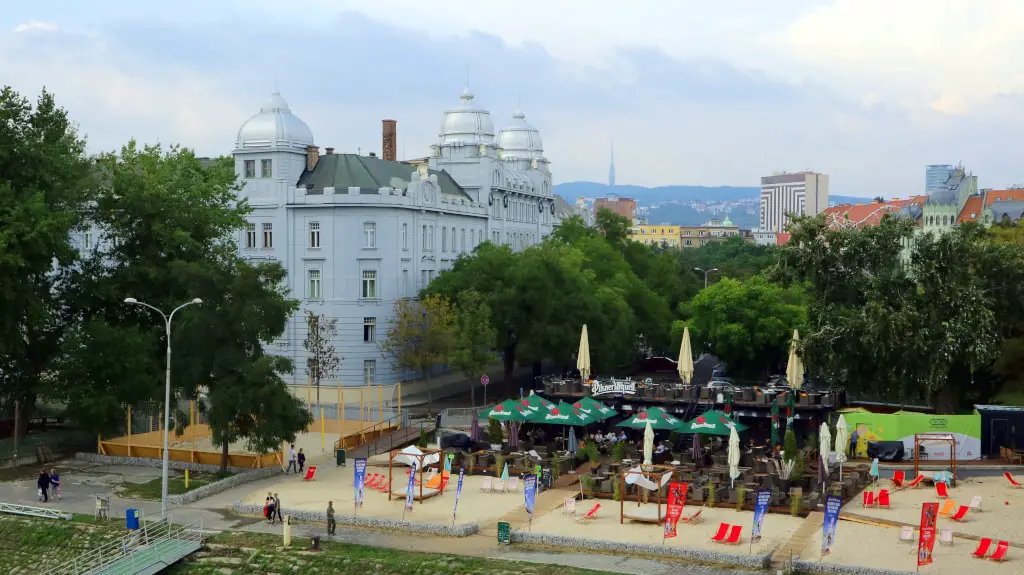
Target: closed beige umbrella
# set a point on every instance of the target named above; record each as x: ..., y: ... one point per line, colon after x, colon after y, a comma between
x: 583, y: 357
x: 685, y: 364
x: 795, y: 367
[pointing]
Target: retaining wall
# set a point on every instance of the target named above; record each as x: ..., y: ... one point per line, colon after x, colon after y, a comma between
x: 442, y: 529
x: 762, y: 561
x: 833, y: 569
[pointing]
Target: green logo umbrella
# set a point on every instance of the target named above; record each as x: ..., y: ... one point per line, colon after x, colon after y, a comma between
x: 595, y: 408
x: 508, y: 410
x: 711, y: 423
x: 561, y: 414
x: 658, y: 418
x: 535, y: 402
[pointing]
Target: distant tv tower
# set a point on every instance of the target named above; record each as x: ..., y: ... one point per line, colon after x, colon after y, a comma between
x: 611, y: 168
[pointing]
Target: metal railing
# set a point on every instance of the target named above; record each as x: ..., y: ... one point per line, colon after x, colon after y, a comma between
x: 126, y: 553
x: 457, y: 418
x: 33, y: 511
x: 397, y: 421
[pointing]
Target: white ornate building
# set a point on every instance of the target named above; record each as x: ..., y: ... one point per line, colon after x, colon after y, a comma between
x: 358, y: 232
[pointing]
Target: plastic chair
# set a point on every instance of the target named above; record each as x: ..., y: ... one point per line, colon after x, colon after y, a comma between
x: 868, y: 499
x: 907, y: 534
x: 961, y: 514
x: 983, y: 547
x: 1000, y: 553
x: 883, y: 500
x: 946, y: 537
x: 723, y: 528
x: 942, y: 490
x: 975, y: 503
x: 513, y: 484
x: 569, y: 506
x: 499, y: 486
x: 486, y: 485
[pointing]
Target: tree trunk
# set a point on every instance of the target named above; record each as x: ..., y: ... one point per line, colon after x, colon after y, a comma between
x: 224, y: 456
x: 510, y: 367
x: 429, y: 393
x: 26, y: 408
x: 945, y: 400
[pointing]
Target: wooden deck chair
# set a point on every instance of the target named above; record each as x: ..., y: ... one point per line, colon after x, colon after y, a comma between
x: 310, y: 473
x: 883, y: 500
x: 948, y: 506
x: 1013, y: 482
x: 693, y: 519
x: 384, y: 487
x: 946, y: 537
x: 485, y: 486
x: 983, y: 546
x: 975, y: 503
x: 961, y: 514
x: 868, y: 499
x: 591, y: 515
x: 569, y: 506
x: 917, y: 481
x: 1000, y: 553
x: 898, y: 477
x: 734, y: 535
x: 907, y: 534
x: 942, y: 490
x: 723, y: 529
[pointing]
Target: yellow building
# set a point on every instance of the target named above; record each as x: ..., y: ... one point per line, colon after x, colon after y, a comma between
x: 683, y: 236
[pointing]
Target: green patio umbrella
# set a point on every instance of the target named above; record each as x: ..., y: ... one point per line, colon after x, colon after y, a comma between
x: 508, y: 410
x: 659, y: 419
x: 535, y: 402
x: 561, y: 414
x: 711, y: 423
x: 593, y: 407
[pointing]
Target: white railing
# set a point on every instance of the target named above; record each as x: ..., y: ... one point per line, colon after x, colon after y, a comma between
x: 33, y: 511
x: 124, y: 552
x: 457, y: 418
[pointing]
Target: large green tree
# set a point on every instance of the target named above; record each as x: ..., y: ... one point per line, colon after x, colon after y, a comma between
x: 421, y: 336
x: 45, y: 179
x: 475, y: 338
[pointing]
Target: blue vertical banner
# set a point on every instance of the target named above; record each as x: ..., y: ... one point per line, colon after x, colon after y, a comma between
x: 530, y: 491
x: 360, y: 480
x: 764, y: 497
x: 458, y: 493
x: 411, y: 488
x: 828, y: 529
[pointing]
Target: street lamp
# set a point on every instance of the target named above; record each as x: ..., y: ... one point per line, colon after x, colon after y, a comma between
x: 167, y: 390
x: 705, y: 272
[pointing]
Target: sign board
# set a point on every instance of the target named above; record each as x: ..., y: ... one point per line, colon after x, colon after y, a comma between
x: 504, y: 533
x: 613, y: 387
x: 546, y: 478
x: 484, y: 379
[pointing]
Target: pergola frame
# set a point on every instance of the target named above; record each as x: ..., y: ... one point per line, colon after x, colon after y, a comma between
x: 922, y: 438
x: 419, y: 467
x: 647, y: 471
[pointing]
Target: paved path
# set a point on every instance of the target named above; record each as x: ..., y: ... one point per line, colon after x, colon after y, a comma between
x: 798, y: 540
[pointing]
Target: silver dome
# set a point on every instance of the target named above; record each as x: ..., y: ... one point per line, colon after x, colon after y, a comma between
x: 467, y: 123
x: 274, y: 127
x: 520, y: 140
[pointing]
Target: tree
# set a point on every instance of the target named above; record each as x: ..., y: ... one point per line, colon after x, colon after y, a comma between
x: 322, y: 361
x: 45, y: 179
x: 421, y: 336
x: 473, y: 349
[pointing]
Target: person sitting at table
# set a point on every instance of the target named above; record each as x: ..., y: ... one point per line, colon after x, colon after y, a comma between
x: 661, y: 448
x: 610, y: 438
x: 622, y: 435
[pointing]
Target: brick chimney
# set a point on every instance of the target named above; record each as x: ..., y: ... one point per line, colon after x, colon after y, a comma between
x: 312, y: 157
x: 389, y: 147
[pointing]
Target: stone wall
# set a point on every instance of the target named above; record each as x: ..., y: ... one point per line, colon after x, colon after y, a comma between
x: 442, y: 529
x: 699, y: 555
x: 240, y: 477
x: 833, y: 569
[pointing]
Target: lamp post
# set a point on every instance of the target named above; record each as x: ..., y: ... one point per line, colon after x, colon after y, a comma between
x: 706, y: 273
x: 167, y: 391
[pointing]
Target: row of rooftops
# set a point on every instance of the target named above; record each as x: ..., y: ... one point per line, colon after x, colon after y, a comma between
x: 1002, y: 203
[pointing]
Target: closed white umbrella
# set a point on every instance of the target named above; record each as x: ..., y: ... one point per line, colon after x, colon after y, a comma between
x: 685, y: 364
x: 825, y: 446
x: 583, y: 357
x: 795, y: 366
x: 734, y: 455
x: 842, y: 439
x: 648, y: 444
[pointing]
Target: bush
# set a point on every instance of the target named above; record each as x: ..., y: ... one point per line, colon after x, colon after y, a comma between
x: 619, y: 451
x: 711, y: 495
x: 587, y: 483
x: 741, y: 496
x: 794, y: 506
x: 789, y: 446
x: 591, y: 454
x: 499, y: 464
x: 556, y: 462
x: 422, y: 442
x: 494, y: 434
x: 616, y: 489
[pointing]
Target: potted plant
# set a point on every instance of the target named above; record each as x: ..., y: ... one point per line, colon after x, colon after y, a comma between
x: 619, y: 451
x: 494, y: 434
x: 590, y: 451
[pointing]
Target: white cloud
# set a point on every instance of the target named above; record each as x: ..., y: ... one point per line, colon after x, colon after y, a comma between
x: 34, y: 26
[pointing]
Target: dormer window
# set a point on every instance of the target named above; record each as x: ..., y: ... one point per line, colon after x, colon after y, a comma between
x: 250, y: 168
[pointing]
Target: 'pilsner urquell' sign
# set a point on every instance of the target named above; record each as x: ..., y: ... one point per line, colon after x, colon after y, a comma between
x: 613, y: 387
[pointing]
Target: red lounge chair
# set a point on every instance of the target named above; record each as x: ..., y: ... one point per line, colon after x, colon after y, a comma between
x: 373, y: 480
x: 592, y: 514
x: 869, y: 499
x: 883, y: 499
x: 898, y: 477
x: 693, y: 519
x: 982, y: 549
x: 917, y: 480
x: 960, y: 514
x: 1013, y: 482
x: 942, y: 490
x: 720, y: 535
x: 310, y: 473
x: 384, y: 486
x: 734, y: 536
x: 1000, y: 553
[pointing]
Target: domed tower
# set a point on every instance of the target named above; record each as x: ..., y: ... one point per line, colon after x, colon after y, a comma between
x: 465, y: 147
x: 271, y: 150
x: 466, y: 125
x: 520, y: 140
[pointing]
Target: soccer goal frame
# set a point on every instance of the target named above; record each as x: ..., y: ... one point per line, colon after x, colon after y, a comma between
x: 920, y: 439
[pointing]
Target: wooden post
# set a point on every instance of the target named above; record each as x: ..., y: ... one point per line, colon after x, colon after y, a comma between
x: 399, y: 405
x: 192, y: 423
x: 341, y: 400
x: 323, y: 446
x: 129, y: 431
x: 380, y: 402
x: 362, y: 417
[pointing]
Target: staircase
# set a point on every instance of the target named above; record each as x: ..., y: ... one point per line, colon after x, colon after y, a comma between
x: 147, y: 551
x: 389, y: 440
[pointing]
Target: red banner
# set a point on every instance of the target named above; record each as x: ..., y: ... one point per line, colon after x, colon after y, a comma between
x: 676, y: 501
x: 926, y: 543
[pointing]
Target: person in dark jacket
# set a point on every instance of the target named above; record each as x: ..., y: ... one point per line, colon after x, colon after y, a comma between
x: 43, y: 484
x: 302, y: 460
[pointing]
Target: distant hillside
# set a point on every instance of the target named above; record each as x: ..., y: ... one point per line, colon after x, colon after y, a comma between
x: 647, y: 196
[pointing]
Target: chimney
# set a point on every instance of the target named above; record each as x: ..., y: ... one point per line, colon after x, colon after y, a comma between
x: 329, y: 151
x: 373, y: 154
x: 312, y: 157
x: 389, y: 147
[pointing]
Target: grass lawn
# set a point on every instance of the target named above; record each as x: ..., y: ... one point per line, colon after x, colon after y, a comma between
x: 151, y: 490
x: 34, y: 545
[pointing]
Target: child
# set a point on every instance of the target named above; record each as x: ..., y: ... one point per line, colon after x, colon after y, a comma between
x: 55, y: 482
x: 302, y: 459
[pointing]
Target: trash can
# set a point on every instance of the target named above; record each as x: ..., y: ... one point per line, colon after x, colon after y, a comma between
x: 340, y: 457
x: 131, y: 519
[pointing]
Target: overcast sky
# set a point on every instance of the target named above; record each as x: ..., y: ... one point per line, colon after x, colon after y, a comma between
x: 691, y: 92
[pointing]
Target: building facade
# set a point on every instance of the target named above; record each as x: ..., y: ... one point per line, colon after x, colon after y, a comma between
x: 625, y: 207
x: 357, y: 232
x: 936, y: 175
x: 684, y: 236
x: 784, y: 195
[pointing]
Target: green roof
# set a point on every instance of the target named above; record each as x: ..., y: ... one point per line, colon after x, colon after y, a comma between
x: 343, y: 171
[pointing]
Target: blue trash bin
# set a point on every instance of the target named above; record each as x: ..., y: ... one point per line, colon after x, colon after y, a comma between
x: 131, y: 519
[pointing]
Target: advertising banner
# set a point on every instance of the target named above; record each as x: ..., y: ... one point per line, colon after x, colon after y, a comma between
x: 360, y: 480
x: 828, y: 531
x: 676, y: 502
x: 903, y: 425
x: 458, y: 493
x: 530, y: 491
x: 764, y: 497
x: 926, y: 543
x: 411, y: 487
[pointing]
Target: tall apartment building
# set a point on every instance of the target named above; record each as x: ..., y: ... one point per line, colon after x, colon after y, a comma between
x: 782, y: 195
x: 936, y: 175
x: 625, y: 207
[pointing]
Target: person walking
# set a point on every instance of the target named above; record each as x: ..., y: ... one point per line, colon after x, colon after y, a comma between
x: 271, y: 508
x: 55, y: 483
x: 302, y: 460
x: 43, y: 485
x: 332, y: 525
x: 293, y: 461
x: 277, y: 504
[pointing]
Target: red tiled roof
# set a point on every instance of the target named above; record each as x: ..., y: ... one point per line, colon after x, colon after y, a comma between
x: 971, y: 210
x: 995, y: 195
x: 860, y: 215
x: 782, y: 239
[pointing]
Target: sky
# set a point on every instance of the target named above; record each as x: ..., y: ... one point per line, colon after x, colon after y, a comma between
x: 690, y: 92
